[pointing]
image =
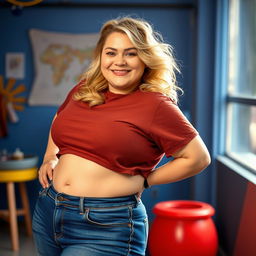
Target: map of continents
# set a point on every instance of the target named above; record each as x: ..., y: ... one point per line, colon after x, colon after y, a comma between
x: 59, y: 59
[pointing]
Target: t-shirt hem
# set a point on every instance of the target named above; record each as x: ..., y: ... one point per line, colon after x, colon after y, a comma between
x: 179, y: 146
x: 102, y: 163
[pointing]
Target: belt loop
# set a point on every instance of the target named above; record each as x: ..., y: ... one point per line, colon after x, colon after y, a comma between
x: 47, y: 189
x: 81, y: 205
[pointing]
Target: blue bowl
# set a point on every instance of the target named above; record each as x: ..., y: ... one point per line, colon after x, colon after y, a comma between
x: 28, y: 161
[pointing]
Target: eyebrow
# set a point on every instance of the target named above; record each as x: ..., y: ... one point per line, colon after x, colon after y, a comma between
x: 114, y: 49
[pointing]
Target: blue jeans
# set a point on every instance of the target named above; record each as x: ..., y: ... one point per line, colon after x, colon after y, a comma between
x: 89, y: 226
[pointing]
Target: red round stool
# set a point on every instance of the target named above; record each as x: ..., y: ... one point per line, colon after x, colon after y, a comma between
x: 183, y: 228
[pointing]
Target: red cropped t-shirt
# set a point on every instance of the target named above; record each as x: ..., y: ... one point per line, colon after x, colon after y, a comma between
x: 127, y: 134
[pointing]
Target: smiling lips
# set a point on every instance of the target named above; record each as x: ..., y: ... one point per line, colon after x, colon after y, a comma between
x: 120, y: 72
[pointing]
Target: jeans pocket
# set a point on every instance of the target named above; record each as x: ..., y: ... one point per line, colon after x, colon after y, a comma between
x: 109, y: 217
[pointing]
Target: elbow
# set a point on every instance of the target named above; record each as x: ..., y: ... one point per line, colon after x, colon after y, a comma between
x: 204, y: 161
x: 200, y: 163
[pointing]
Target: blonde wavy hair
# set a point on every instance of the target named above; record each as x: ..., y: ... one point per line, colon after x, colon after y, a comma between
x: 159, y: 74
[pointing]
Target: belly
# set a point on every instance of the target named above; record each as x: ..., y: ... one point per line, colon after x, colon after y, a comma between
x: 77, y: 176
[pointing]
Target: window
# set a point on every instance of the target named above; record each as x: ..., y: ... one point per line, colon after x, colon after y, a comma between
x: 241, y: 107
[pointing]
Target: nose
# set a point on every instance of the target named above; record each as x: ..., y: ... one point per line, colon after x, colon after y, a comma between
x: 120, y: 60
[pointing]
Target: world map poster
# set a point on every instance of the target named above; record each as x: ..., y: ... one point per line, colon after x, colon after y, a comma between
x: 59, y: 59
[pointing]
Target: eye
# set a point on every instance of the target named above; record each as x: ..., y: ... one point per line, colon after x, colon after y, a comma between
x: 131, y: 54
x: 110, y: 53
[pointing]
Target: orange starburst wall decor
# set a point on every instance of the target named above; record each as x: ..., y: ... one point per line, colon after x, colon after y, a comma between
x: 24, y: 3
x: 10, y: 102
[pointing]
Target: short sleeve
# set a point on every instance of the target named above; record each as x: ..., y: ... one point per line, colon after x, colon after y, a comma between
x: 69, y: 97
x: 170, y: 129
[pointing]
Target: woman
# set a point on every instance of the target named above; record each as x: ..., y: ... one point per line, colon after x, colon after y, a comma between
x: 105, y: 141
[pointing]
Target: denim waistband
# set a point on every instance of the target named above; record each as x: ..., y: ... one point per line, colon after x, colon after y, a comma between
x: 89, y: 202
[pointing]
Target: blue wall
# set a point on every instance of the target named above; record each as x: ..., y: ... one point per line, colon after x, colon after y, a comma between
x: 178, y: 26
x: 202, y: 110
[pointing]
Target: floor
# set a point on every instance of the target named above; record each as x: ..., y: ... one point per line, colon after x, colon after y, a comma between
x: 27, y: 247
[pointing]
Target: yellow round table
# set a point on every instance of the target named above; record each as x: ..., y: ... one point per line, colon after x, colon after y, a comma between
x: 10, y: 177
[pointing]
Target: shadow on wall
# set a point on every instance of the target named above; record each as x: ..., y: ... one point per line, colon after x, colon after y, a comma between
x: 236, y: 213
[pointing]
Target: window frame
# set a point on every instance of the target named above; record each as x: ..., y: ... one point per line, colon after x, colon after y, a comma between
x: 235, y: 98
x: 222, y: 98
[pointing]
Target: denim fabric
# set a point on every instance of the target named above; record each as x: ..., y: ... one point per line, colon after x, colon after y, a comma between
x: 81, y: 226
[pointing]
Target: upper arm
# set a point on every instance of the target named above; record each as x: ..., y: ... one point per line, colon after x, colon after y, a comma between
x: 51, y: 148
x: 170, y: 129
x: 195, y: 151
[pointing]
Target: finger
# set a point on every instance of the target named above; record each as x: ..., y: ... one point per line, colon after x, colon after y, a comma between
x: 44, y: 178
x: 49, y: 173
x: 139, y: 195
x: 40, y: 178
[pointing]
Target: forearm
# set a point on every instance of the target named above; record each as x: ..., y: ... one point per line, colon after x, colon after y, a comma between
x: 50, y: 160
x: 50, y: 156
x: 175, y: 170
x: 188, y: 161
x: 51, y: 150
x: 50, y: 153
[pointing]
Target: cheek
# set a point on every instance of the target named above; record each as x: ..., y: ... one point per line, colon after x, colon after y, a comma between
x: 102, y: 64
x: 105, y: 62
x: 140, y: 66
x: 104, y: 67
x: 141, y: 69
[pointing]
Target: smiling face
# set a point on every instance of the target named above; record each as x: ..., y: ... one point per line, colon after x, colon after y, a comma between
x: 120, y: 64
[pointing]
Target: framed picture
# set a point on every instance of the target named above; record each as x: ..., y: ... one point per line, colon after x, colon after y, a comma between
x: 59, y: 59
x: 15, y: 65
